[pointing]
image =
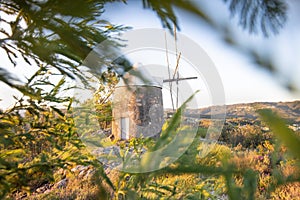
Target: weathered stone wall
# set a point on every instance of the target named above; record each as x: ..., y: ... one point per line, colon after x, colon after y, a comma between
x: 143, y: 105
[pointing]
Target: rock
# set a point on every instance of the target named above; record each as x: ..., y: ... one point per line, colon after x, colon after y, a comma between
x: 45, y: 188
x: 89, y: 173
x: 83, y: 172
x: 78, y: 168
x: 62, y: 183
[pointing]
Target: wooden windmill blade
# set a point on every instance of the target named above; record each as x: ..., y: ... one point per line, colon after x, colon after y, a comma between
x: 177, y: 79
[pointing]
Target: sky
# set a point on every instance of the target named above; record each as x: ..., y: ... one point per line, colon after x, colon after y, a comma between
x: 243, y: 81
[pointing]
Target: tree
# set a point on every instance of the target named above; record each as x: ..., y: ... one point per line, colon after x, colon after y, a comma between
x: 265, y: 16
x: 38, y: 134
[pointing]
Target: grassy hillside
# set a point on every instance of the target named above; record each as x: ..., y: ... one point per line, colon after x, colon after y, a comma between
x: 248, y: 162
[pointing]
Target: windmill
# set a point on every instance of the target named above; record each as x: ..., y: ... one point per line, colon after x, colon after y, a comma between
x: 175, y: 77
x: 138, y: 102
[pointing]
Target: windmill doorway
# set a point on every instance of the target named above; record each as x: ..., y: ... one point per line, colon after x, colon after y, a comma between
x: 124, y: 128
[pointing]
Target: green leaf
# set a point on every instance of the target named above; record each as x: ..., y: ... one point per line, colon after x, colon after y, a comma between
x: 56, y: 89
x: 170, y: 131
x: 58, y: 111
x: 280, y: 129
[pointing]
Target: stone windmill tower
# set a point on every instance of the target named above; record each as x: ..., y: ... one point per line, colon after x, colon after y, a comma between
x: 137, y: 105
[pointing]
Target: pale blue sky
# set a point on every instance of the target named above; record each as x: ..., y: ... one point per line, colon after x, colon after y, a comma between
x: 243, y: 81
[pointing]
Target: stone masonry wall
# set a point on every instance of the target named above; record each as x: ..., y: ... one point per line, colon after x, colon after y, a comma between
x: 143, y: 105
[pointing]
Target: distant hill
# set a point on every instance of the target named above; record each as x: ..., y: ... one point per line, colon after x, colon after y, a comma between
x: 247, y: 111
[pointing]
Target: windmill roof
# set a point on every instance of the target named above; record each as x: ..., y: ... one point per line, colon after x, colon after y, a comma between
x: 139, y: 76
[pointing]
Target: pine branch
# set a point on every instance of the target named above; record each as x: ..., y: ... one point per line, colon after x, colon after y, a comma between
x: 267, y: 16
